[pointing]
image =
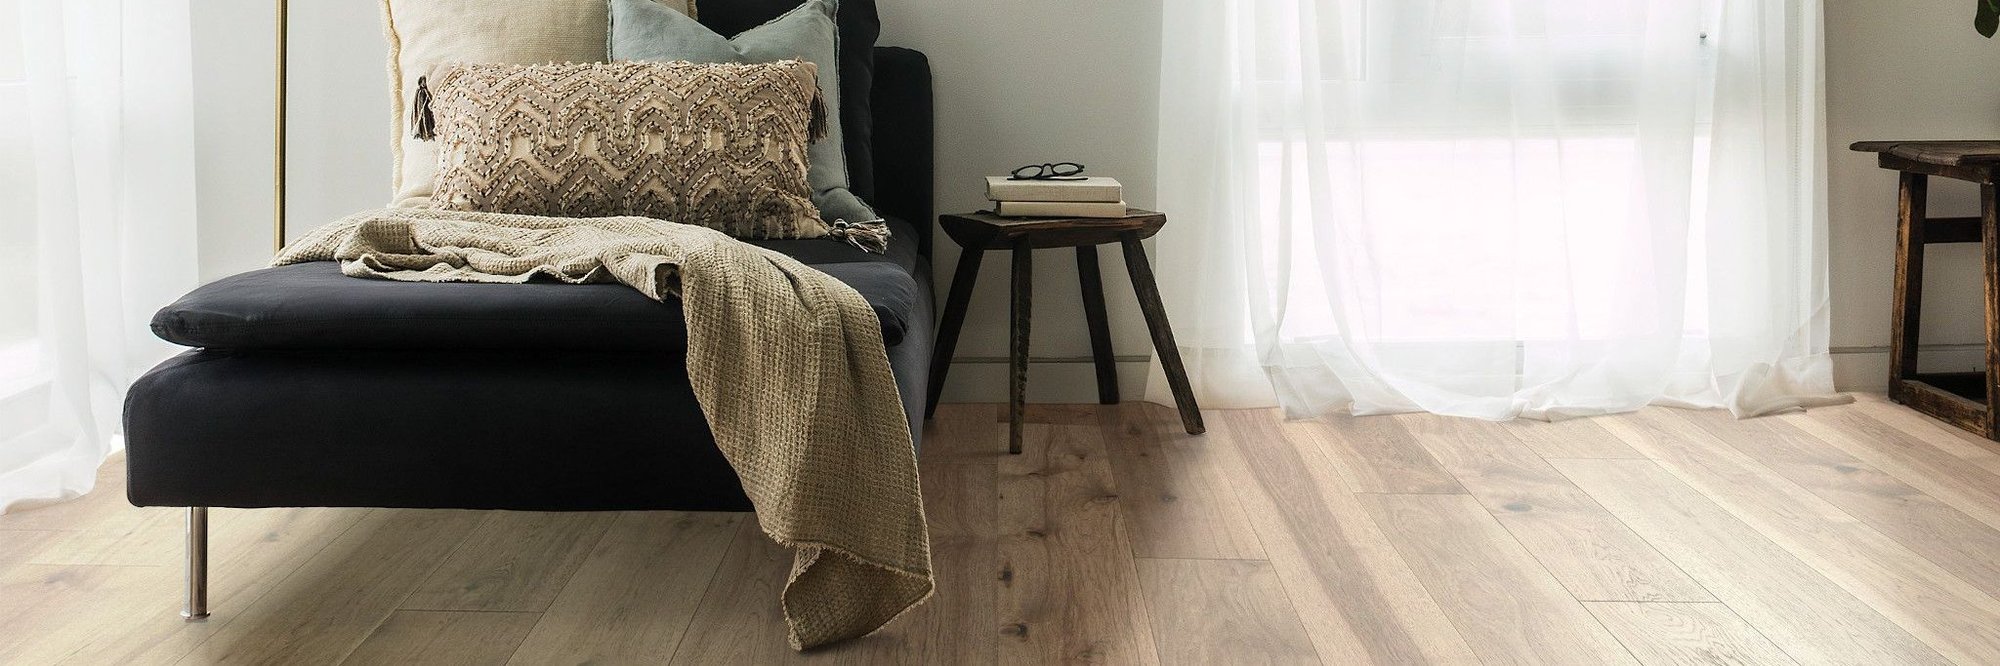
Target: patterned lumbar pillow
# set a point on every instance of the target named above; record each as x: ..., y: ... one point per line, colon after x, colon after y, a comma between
x: 656, y: 31
x: 424, y: 34
x: 718, y: 145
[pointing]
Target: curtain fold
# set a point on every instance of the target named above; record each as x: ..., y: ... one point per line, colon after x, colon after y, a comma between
x: 98, y: 229
x: 1495, y: 208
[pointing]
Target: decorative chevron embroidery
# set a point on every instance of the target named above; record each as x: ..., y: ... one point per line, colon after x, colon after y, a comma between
x: 717, y: 145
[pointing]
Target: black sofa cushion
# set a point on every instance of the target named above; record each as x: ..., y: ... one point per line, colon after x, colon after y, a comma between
x: 859, y: 27
x: 314, y: 306
x: 466, y: 429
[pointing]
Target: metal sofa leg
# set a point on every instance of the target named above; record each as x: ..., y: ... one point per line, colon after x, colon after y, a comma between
x: 197, y: 564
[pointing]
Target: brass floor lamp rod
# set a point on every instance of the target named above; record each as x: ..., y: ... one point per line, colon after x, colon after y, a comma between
x: 278, y: 139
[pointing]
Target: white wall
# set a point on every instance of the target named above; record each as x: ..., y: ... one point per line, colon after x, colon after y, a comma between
x: 1021, y: 81
x: 1024, y: 82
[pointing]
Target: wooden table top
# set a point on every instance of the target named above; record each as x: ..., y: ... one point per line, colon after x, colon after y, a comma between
x: 986, y: 230
x: 1941, y: 153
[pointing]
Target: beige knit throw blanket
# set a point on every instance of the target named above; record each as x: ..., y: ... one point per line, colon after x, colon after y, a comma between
x: 787, y: 362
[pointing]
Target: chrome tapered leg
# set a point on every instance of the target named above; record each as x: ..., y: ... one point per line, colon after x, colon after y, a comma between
x: 197, y: 564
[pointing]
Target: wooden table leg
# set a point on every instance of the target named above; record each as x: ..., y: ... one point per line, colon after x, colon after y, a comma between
x: 1907, y: 303
x: 1163, y: 335
x: 954, y: 318
x: 1989, y: 223
x: 1017, y: 353
x: 1100, y: 326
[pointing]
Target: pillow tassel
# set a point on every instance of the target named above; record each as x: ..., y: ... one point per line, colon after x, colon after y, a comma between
x: 870, y: 236
x: 421, y: 119
x: 816, y: 129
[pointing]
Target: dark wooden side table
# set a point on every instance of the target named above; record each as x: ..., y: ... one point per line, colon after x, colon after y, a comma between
x: 978, y: 232
x: 1969, y: 400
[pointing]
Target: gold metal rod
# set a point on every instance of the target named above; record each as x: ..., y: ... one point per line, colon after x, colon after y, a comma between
x: 278, y: 140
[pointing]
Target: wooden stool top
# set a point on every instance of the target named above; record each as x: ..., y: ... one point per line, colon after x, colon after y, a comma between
x: 987, y: 231
x: 1974, y: 161
x: 1940, y: 153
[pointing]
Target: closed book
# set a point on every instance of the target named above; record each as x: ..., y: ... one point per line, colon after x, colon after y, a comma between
x: 1094, y: 188
x: 1059, y: 208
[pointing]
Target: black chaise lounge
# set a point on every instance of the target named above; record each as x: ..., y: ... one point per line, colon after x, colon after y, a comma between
x: 309, y: 388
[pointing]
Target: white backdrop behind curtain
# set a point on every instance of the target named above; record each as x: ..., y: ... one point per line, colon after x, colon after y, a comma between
x: 97, y: 224
x: 1495, y: 208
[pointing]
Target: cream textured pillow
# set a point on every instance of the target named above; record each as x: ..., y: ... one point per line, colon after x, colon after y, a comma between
x: 718, y: 145
x: 424, y: 34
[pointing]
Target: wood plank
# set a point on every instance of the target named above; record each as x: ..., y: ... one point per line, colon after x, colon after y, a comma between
x: 1222, y: 611
x: 1686, y: 633
x: 1175, y: 491
x: 738, y: 619
x: 1589, y: 551
x: 1070, y: 414
x: 1357, y: 598
x: 1569, y: 438
x: 1372, y: 454
x: 250, y: 550
x: 1810, y: 617
x: 1506, y: 606
x: 130, y: 614
x: 1944, y: 611
x: 16, y: 546
x: 445, y: 638
x: 1979, y: 450
x: 1917, y: 461
x: 144, y: 537
x: 325, y: 608
x: 632, y: 599
x: 1068, y: 588
x: 49, y: 612
x: 514, y: 561
x: 1955, y: 541
x: 962, y: 433
x: 957, y: 625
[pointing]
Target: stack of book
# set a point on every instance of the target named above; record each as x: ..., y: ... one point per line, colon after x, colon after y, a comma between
x: 1095, y: 196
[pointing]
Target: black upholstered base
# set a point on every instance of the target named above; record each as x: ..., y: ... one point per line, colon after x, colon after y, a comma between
x: 562, y: 431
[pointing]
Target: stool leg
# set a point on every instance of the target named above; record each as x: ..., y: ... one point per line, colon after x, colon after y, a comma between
x: 954, y: 318
x: 1989, y: 214
x: 1907, y: 303
x: 1017, y: 355
x: 1100, y: 325
x: 197, y: 564
x: 1163, y: 335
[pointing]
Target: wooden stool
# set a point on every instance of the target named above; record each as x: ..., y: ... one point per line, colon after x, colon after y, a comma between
x: 978, y: 232
x: 1969, y: 400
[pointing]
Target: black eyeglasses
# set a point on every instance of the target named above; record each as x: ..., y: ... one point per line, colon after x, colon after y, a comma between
x: 1051, y: 171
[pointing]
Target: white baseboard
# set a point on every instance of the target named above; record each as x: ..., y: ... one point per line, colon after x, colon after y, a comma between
x: 1049, y: 381
x: 1866, y: 369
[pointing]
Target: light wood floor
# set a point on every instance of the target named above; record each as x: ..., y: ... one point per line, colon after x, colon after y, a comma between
x: 1862, y: 534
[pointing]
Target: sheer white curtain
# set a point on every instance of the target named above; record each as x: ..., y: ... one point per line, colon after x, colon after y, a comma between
x: 96, y: 224
x: 1496, y: 208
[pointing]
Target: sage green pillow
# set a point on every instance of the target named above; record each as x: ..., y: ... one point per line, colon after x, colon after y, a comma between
x: 649, y: 30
